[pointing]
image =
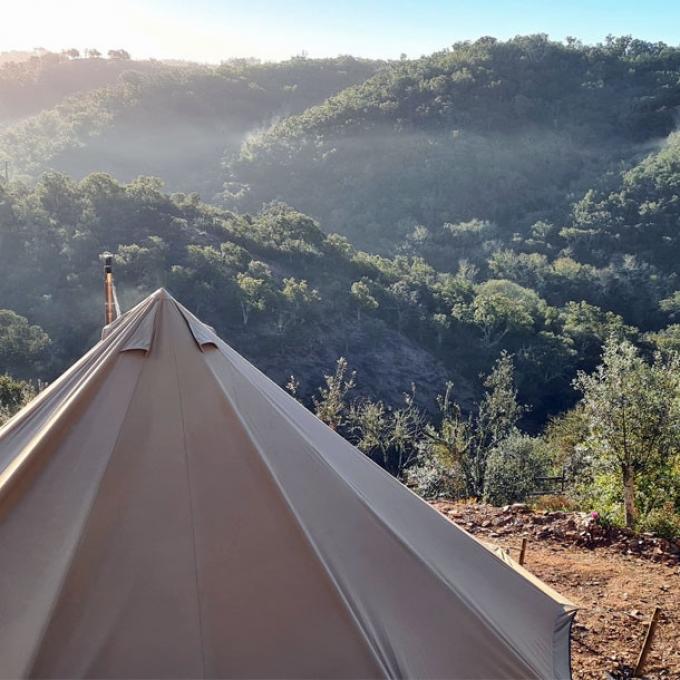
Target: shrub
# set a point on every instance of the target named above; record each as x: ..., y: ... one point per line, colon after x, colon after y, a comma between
x: 14, y: 395
x: 429, y: 478
x: 551, y: 503
x: 664, y: 521
x: 513, y: 469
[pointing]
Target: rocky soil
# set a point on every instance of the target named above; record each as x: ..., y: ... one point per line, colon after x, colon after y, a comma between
x: 615, y: 577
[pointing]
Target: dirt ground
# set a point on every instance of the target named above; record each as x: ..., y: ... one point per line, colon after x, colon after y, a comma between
x: 616, y: 591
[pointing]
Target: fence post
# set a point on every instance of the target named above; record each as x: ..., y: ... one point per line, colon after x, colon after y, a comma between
x: 522, y: 551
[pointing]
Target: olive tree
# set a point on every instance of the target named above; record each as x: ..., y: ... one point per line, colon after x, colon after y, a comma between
x: 632, y: 410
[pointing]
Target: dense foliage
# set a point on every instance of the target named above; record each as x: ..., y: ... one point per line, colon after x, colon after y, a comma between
x: 171, y: 122
x: 616, y: 453
x: 274, y: 285
x: 632, y: 411
x: 510, y: 132
x: 14, y: 394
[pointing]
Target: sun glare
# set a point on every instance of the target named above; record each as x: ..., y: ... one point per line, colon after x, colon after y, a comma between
x: 109, y: 24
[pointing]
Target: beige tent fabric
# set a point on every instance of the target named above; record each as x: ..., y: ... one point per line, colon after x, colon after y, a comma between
x: 166, y: 511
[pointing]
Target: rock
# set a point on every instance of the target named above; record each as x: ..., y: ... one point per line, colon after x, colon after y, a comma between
x: 501, y: 521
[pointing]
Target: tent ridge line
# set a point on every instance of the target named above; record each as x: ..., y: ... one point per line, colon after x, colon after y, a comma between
x: 372, y: 644
x: 191, y: 505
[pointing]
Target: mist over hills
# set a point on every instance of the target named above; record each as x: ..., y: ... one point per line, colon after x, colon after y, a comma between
x: 513, y: 132
x: 41, y: 80
x: 522, y: 197
x: 175, y: 122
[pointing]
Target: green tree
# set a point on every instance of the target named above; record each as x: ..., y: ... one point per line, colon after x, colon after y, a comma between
x: 254, y: 290
x: 667, y: 339
x: 466, y: 442
x: 513, y: 469
x: 671, y: 305
x: 331, y: 405
x: 22, y: 345
x: 633, y: 414
x: 14, y: 395
x: 299, y: 302
x: 361, y: 294
x: 392, y: 435
x: 501, y: 307
x: 118, y: 54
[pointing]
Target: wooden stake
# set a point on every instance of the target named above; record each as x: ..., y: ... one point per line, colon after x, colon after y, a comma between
x: 522, y: 551
x: 647, y: 643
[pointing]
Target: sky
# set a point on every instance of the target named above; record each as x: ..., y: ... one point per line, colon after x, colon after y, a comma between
x: 216, y: 30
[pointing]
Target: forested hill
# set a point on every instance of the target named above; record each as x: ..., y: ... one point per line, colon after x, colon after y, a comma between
x: 502, y: 215
x: 292, y: 298
x: 33, y: 83
x: 286, y: 295
x: 512, y: 132
x: 172, y: 122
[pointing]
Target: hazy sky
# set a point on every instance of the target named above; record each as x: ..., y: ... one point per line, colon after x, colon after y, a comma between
x: 212, y: 30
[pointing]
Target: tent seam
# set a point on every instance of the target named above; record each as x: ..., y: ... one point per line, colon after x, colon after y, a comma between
x: 86, y: 521
x: 373, y: 646
x: 191, y: 511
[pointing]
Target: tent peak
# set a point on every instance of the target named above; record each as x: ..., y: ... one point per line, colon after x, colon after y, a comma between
x: 161, y: 294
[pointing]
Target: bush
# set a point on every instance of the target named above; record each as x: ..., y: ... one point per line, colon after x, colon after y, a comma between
x: 14, y: 395
x: 431, y: 479
x: 600, y: 491
x: 551, y: 503
x: 664, y: 522
x: 513, y: 469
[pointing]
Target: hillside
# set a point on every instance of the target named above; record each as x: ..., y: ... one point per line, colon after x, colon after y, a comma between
x: 175, y: 122
x: 14, y: 56
x: 41, y: 81
x: 511, y: 132
x: 294, y: 298
x: 273, y: 285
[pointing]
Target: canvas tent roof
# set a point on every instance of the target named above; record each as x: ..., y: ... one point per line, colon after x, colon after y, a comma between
x: 168, y: 511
